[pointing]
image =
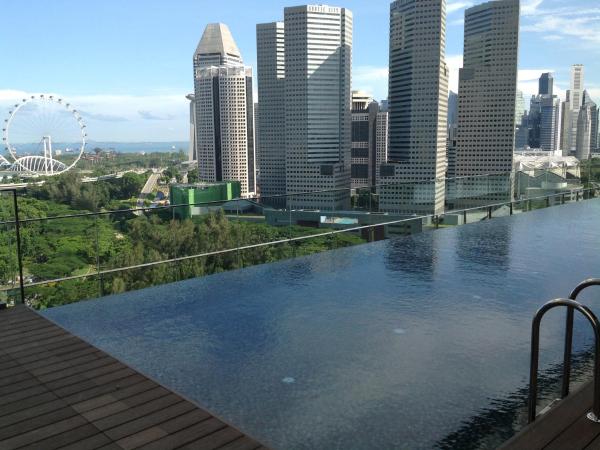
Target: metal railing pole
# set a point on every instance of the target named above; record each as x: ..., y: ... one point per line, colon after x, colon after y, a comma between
x: 19, y: 251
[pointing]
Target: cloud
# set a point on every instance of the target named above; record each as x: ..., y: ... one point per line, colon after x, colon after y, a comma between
x: 147, y: 115
x: 371, y: 79
x: 457, y: 6
x: 556, y: 24
x: 102, y: 117
x: 529, y: 7
x: 454, y: 63
x: 116, y: 117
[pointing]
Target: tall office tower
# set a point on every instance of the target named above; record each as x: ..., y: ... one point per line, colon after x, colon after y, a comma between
x: 224, y: 110
x: 519, y: 107
x: 549, y: 122
x: 546, y: 84
x: 369, y: 140
x: 584, y: 133
x: 594, y: 113
x: 418, y: 105
x: 452, y: 109
x: 270, y: 149
x: 544, y: 116
x: 486, y: 103
x: 565, y: 112
x: 193, y: 149
x: 522, y: 133
x: 318, y: 58
x: 535, y: 120
x: 571, y: 116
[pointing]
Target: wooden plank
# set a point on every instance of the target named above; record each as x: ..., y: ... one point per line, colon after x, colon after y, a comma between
x: 137, y: 412
x: 29, y: 413
x: 186, y: 435
x: 89, y: 443
x: 64, y: 393
x: 577, y: 436
x: 40, y: 421
x: 105, y: 399
x: 214, y: 440
x: 151, y: 420
x: 543, y: 431
x: 38, y: 434
x: 125, y: 405
x: 242, y: 443
x: 107, y: 388
x: 73, y: 436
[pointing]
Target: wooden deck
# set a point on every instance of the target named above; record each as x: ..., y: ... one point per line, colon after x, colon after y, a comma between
x: 564, y: 427
x: 57, y: 391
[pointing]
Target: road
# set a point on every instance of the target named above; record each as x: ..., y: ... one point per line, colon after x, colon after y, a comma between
x: 151, y: 183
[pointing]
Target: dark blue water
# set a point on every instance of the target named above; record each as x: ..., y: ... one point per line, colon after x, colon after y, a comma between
x: 410, y: 343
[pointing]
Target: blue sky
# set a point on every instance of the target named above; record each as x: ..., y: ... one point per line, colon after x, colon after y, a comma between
x: 127, y: 64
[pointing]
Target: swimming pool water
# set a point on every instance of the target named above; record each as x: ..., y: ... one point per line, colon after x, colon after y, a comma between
x: 395, y: 344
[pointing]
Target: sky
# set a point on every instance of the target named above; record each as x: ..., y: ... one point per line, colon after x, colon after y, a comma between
x: 127, y: 64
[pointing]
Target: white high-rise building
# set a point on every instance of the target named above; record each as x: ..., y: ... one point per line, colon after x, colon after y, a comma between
x: 318, y: 60
x: 193, y: 150
x: 413, y: 178
x: 224, y: 110
x: 572, y: 107
x: 270, y: 148
x: 584, y: 133
x: 486, y: 104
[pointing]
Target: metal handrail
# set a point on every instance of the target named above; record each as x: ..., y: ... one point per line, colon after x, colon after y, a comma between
x: 535, y: 350
x: 569, y: 334
x: 221, y: 202
x: 263, y: 244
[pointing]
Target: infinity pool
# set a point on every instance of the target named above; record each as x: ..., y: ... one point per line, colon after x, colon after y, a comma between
x: 411, y: 343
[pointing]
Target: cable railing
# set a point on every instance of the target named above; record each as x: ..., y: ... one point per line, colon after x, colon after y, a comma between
x: 62, y: 254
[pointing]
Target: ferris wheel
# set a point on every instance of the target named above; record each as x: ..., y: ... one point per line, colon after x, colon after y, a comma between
x: 42, y: 135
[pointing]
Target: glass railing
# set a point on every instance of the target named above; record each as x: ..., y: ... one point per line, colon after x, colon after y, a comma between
x: 66, y: 254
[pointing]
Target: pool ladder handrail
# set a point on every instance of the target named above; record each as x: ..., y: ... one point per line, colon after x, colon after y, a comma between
x: 571, y: 304
x: 535, y: 348
x: 569, y: 333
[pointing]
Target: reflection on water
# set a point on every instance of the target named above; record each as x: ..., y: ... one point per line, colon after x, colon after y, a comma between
x: 414, y: 343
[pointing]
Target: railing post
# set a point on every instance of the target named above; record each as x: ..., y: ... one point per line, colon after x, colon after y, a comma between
x: 19, y: 251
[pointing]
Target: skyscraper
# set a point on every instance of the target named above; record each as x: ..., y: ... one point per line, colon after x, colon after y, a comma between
x: 544, y: 116
x: 584, y: 133
x: 549, y: 122
x: 318, y: 59
x: 546, y: 84
x: 224, y: 110
x: 594, y: 113
x: 270, y: 149
x: 486, y: 104
x: 193, y: 149
x: 369, y: 140
x: 571, y: 114
x: 418, y: 105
